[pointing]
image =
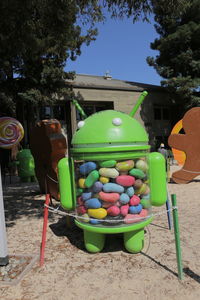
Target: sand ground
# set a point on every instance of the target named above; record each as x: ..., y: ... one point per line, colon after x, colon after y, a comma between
x: 71, y: 273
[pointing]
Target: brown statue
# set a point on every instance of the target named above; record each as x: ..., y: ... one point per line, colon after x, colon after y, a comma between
x: 48, y: 145
x: 190, y: 144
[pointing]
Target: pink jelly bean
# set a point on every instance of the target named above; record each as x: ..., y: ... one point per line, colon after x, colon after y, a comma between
x: 130, y: 218
x: 80, y: 201
x: 124, y: 210
x: 81, y: 209
x: 113, y: 211
x: 135, y: 200
x: 125, y: 180
x: 143, y: 213
x: 109, y: 197
x: 106, y: 204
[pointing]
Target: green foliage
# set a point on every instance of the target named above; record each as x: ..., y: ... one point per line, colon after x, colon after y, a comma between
x: 179, y: 49
x: 36, y: 39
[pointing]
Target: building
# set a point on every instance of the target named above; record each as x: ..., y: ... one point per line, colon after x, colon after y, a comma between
x: 158, y: 113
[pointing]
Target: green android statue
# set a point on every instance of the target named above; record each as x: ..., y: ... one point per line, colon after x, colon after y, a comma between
x: 111, y: 179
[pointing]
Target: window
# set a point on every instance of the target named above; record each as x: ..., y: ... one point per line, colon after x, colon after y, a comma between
x: 50, y: 112
x: 161, y: 112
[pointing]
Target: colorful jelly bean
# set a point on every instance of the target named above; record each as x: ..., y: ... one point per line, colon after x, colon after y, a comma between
x: 94, y: 221
x: 138, y: 183
x: 91, y: 178
x: 130, y: 191
x: 113, y: 211
x: 129, y: 219
x: 106, y: 204
x: 124, y: 210
x: 109, y: 197
x: 135, y: 209
x: 86, y: 196
x: 98, y: 213
x: 124, y: 198
x: 97, y: 187
x: 143, y: 213
x: 84, y: 218
x: 137, y: 173
x: 108, y: 172
x: 113, y: 187
x: 125, y: 180
x: 81, y: 209
x: 79, y: 191
x: 81, y: 183
x: 142, y: 190
x: 135, y: 200
x: 92, y: 203
x: 142, y: 165
x: 87, y: 167
x: 80, y: 201
x: 108, y: 164
x: 125, y: 165
x: 113, y: 191
x: 104, y: 179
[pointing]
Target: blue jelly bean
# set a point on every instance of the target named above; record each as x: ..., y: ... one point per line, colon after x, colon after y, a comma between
x: 87, y: 167
x: 130, y: 191
x: 124, y: 198
x: 97, y: 187
x: 86, y: 196
x: 113, y: 188
x: 94, y: 221
x: 135, y: 209
x: 92, y: 203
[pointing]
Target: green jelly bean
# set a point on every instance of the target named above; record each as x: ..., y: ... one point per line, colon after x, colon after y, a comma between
x: 146, y: 203
x: 108, y: 163
x: 79, y: 191
x: 91, y: 178
x: 137, y: 173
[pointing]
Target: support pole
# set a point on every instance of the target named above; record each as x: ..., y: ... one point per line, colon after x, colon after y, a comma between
x: 3, y: 239
x: 44, y: 231
x: 168, y: 212
x: 177, y: 237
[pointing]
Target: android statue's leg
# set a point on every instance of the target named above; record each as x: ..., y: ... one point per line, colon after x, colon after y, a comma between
x: 94, y: 242
x: 134, y: 240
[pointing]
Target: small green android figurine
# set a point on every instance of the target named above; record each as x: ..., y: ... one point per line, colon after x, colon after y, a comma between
x: 111, y: 179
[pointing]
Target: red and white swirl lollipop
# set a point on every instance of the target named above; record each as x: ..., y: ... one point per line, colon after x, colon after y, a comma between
x: 11, y: 132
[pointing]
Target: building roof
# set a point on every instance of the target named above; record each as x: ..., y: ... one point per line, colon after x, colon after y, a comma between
x: 107, y: 82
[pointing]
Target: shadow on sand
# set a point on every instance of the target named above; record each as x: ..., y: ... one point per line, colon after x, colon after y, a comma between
x: 22, y: 199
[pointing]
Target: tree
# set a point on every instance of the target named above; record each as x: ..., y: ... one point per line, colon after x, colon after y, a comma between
x: 179, y: 49
x: 37, y: 37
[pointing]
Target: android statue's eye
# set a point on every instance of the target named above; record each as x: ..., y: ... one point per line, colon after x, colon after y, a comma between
x: 117, y: 121
x: 81, y: 124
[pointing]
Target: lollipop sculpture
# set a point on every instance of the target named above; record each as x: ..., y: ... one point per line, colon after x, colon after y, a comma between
x: 11, y: 133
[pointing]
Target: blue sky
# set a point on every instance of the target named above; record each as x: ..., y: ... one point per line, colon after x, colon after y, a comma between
x: 121, y: 48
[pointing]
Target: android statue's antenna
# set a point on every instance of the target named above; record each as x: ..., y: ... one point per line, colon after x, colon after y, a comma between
x: 138, y: 103
x: 79, y: 108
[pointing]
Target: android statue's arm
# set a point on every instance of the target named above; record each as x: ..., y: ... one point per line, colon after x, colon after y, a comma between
x: 65, y: 183
x: 178, y: 141
x: 157, y: 179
